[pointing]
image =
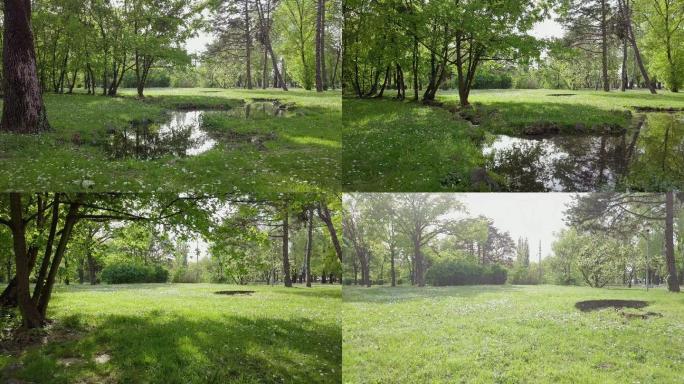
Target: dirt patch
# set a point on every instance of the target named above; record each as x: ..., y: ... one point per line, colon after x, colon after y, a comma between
x: 231, y: 293
x: 657, y: 109
x: 102, y: 358
x: 561, y: 94
x: 593, y: 305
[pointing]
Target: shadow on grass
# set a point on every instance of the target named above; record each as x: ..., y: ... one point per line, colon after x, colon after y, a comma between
x: 162, y: 348
x: 314, y: 292
x: 399, y: 294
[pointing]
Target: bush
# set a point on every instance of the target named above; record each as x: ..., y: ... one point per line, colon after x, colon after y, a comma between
x: 379, y: 282
x: 190, y: 274
x: 524, y: 275
x: 400, y: 281
x: 347, y: 281
x: 450, y: 272
x: 124, y: 273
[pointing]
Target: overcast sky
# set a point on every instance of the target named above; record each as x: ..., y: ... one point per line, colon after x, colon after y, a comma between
x: 536, y: 216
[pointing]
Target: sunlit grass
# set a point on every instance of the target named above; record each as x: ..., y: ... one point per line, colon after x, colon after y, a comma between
x: 302, y: 153
x: 185, y: 333
x: 508, y: 334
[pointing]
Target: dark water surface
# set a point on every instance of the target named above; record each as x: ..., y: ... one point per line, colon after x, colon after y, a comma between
x: 649, y: 156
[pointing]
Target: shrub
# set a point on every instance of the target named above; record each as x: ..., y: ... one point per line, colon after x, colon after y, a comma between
x: 450, y: 272
x: 379, y: 282
x: 524, y: 275
x: 347, y: 281
x: 190, y: 274
x: 124, y: 273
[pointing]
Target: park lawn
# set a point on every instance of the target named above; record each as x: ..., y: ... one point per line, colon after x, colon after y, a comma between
x: 185, y: 333
x: 402, y: 146
x: 301, y: 154
x: 508, y: 111
x: 508, y: 334
x: 396, y: 146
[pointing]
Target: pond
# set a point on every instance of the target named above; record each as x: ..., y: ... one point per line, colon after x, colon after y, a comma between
x: 261, y: 109
x: 650, y: 156
x: 180, y: 136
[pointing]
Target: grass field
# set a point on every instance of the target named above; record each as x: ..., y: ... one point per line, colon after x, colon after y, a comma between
x: 185, y: 333
x: 403, y: 146
x: 301, y: 152
x: 509, y: 334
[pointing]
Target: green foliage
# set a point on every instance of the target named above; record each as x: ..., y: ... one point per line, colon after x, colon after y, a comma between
x: 121, y: 273
x: 450, y: 272
x: 524, y: 275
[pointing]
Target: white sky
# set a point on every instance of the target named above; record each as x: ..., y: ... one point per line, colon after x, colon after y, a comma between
x: 547, y: 28
x: 197, y: 45
x: 536, y: 216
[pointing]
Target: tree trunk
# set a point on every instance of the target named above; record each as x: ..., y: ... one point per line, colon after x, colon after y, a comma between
x: 309, y: 240
x: 31, y: 316
x: 392, y: 271
x: 418, y: 256
x: 624, y: 80
x: 286, y: 249
x: 604, y: 46
x: 69, y: 222
x: 672, y: 279
x: 326, y: 217
x: 632, y: 39
x: 319, y: 45
x: 23, y: 108
x: 248, y: 46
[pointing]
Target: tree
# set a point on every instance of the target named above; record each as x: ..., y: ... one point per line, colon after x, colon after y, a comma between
x: 665, y: 39
x: 23, y: 109
x: 421, y: 217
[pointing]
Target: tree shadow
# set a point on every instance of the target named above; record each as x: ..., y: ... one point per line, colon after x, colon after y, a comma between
x: 406, y: 293
x: 314, y: 292
x: 167, y: 348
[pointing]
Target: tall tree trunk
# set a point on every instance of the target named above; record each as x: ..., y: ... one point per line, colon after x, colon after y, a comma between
x: 604, y: 46
x: 309, y: 241
x: 286, y: 248
x: 319, y: 78
x: 627, y: 14
x: 672, y: 279
x: 392, y: 271
x: 326, y: 217
x: 248, y: 46
x: 418, y: 256
x: 624, y: 79
x: 415, y: 69
x: 23, y: 109
x: 69, y: 222
x: 31, y: 316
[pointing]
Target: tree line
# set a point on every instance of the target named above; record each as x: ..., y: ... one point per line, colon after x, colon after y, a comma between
x: 55, y: 235
x: 427, y: 46
x: 392, y: 237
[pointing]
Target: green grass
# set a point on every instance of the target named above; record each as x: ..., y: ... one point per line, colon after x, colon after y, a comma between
x: 302, y: 154
x: 510, y: 110
x: 508, y: 334
x: 403, y: 146
x: 394, y: 146
x: 184, y: 333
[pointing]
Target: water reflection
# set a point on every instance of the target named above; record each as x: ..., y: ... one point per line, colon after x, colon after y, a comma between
x: 181, y: 136
x: 260, y: 109
x: 647, y: 157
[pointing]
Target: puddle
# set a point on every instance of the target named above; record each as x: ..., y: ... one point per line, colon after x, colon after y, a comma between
x: 233, y: 292
x: 262, y: 108
x: 593, y: 305
x: 648, y: 156
x: 180, y: 136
